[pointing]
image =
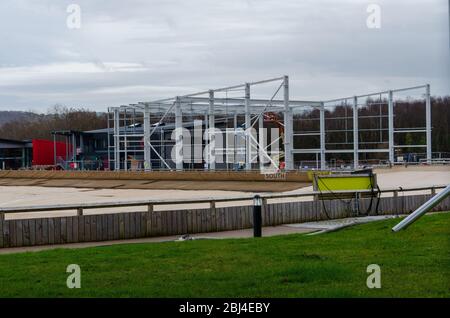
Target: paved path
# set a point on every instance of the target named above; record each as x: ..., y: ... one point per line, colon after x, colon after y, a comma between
x: 304, y: 228
x: 267, y: 231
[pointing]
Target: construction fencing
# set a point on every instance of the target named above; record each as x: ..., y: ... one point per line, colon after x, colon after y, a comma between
x: 131, y: 225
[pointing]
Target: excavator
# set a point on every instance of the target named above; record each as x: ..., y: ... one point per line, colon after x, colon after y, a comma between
x: 271, y: 117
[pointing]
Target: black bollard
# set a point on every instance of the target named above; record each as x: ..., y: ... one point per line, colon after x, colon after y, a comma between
x: 257, y: 218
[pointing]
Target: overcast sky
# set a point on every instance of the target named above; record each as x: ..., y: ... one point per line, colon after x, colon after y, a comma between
x: 136, y: 50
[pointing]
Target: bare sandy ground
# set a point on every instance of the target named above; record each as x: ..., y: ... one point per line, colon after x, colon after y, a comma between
x: 14, y: 196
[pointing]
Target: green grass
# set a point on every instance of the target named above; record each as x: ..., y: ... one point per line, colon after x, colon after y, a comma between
x: 414, y: 263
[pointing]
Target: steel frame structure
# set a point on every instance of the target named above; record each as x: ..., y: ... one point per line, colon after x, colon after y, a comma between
x: 207, y: 108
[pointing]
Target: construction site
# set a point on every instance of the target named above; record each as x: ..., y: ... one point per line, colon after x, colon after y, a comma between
x: 213, y: 151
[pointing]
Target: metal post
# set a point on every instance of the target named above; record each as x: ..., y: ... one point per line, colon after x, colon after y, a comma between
x: 428, y: 122
x: 288, y: 128
x: 248, y: 148
x: 206, y: 167
x: 212, y: 135
x: 178, y: 135
x: 235, y: 144
x: 116, y: 140
x: 424, y: 208
x: 74, y: 148
x: 323, y: 162
x: 355, y: 134
x: 147, y: 149
x: 391, y: 127
x: 257, y: 217
x: 261, y: 141
x: 108, y: 135
x: 54, y: 148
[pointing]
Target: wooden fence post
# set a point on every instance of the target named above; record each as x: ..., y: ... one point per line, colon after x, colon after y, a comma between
x: 396, y: 205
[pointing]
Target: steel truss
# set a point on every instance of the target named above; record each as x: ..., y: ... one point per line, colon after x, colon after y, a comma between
x: 143, y: 130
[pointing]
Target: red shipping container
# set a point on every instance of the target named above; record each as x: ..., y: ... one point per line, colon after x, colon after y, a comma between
x: 43, y: 151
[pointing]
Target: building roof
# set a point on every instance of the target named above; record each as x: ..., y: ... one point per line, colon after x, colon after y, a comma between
x: 140, y: 130
x: 10, y: 143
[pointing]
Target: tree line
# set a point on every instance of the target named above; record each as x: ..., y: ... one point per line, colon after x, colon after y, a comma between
x: 373, y: 120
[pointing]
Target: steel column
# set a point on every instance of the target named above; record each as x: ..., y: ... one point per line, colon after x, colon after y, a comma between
x: 211, y: 134
x: 288, y: 128
x: 391, y: 126
x: 261, y: 141
x: 147, y: 141
x: 323, y: 162
x: 428, y: 122
x: 355, y: 133
x: 116, y: 140
x: 178, y: 136
x: 248, y: 124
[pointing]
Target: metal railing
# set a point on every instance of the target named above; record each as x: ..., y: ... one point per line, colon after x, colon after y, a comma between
x: 211, y: 201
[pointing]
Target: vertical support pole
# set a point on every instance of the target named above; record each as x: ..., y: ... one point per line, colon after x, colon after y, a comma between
x: 74, y: 147
x: 178, y: 135
x: 288, y: 128
x: 248, y: 124
x: 212, y: 135
x: 391, y: 127
x: 66, y: 138
x: 108, y: 135
x: 125, y: 149
x: 355, y: 134
x: 116, y: 140
x: 162, y: 147
x: 261, y: 141
x: 147, y: 149
x: 54, y: 148
x: 323, y: 162
x: 125, y: 141
x: 206, y: 166
x: 428, y: 122
x: 23, y: 164
x: 235, y: 144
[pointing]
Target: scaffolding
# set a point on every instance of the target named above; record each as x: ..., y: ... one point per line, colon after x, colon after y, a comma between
x: 235, y: 128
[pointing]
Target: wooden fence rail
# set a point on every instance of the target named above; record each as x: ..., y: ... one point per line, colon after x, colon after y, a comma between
x: 117, y: 226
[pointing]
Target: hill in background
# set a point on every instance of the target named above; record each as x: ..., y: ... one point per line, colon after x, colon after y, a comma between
x: 11, y: 116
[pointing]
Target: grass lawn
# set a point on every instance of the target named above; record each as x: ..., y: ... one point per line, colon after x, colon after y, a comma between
x: 414, y: 263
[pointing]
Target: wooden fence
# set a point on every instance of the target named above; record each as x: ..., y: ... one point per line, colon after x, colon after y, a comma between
x: 130, y: 225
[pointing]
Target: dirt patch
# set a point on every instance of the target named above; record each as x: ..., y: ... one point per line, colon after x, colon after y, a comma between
x: 243, y: 186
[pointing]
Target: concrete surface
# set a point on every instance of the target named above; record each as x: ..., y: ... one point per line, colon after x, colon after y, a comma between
x: 11, y: 196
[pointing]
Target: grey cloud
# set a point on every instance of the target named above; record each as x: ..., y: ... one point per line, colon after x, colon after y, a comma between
x: 180, y: 46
